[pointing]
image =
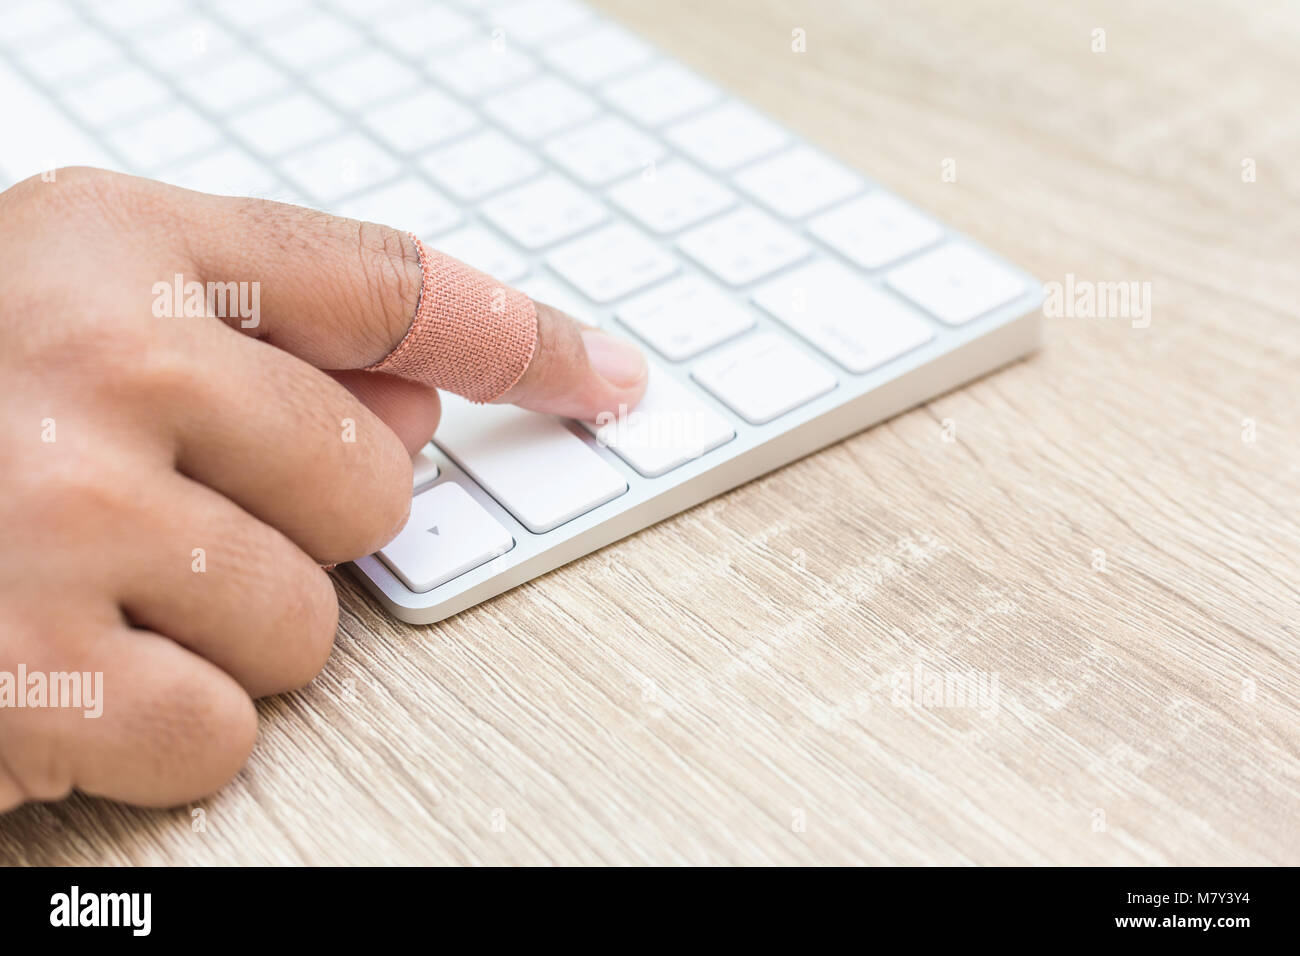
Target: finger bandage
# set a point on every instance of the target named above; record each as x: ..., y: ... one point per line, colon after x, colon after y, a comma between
x: 471, y: 334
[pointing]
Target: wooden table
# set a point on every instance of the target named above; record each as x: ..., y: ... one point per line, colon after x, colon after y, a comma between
x: 1107, y: 547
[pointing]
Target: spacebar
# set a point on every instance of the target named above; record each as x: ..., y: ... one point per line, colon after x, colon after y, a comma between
x: 537, y: 469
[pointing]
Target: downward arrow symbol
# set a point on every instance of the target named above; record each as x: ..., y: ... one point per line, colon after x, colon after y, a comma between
x: 433, y: 530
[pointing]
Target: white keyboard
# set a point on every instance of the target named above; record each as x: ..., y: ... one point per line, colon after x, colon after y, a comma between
x: 785, y: 300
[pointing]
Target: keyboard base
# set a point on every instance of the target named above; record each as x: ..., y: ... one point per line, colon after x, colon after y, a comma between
x: 975, y: 358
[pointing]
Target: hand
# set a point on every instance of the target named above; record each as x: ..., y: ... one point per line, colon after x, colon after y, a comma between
x: 171, y: 485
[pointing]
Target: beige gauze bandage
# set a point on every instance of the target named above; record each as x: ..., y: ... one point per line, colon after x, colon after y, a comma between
x: 471, y: 334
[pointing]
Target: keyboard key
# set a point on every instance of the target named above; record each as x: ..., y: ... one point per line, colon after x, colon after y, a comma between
x: 228, y: 171
x: 536, y: 468
x: 544, y: 211
x: 669, y: 427
x: 119, y: 95
x: 480, y: 164
x: 76, y: 52
x: 798, y: 182
x: 38, y: 138
x: 235, y: 82
x: 670, y: 197
x: 407, y: 204
x: 163, y: 137
x: 128, y: 16
x: 315, y: 38
x: 600, y: 152
x: 539, y: 108
x: 611, y: 262
x: 597, y: 54
x: 848, y: 319
x: 418, y: 32
x: 762, y: 377
x: 874, y: 230
x: 477, y: 6
x: 955, y: 283
x: 424, y: 467
x: 743, y: 246
x: 660, y: 94
x: 34, y: 20
x: 479, y: 248
x: 536, y: 21
x: 544, y: 289
x: 726, y: 137
x: 447, y: 534
x: 342, y: 166
x: 254, y: 15
x: 420, y: 120
x: 366, y: 79
x: 187, y: 45
x: 288, y: 123
x: 481, y: 68
x: 682, y: 318
x: 367, y: 11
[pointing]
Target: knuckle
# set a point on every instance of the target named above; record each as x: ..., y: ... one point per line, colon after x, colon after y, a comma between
x: 88, y: 183
x: 72, y: 190
x: 166, y: 373
x: 154, y: 371
x: 83, y: 491
x: 89, y: 344
x: 24, y: 195
x: 390, y: 272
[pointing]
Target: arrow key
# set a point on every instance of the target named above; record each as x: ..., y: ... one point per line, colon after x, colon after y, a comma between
x: 447, y: 534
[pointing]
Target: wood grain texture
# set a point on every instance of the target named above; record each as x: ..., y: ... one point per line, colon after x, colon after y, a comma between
x: 694, y: 693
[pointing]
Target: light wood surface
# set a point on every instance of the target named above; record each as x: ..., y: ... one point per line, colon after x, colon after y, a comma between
x: 1102, y: 537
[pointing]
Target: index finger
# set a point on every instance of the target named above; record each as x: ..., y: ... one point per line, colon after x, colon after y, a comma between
x: 343, y: 294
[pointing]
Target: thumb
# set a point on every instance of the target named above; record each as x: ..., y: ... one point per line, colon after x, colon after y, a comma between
x: 342, y: 295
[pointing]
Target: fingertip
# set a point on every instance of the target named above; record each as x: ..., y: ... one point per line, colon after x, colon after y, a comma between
x: 618, y: 361
x: 579, y: 371
x: 619, y: 373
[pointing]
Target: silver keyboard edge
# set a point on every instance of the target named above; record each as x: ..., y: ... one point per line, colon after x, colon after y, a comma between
x: 534, y: 555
